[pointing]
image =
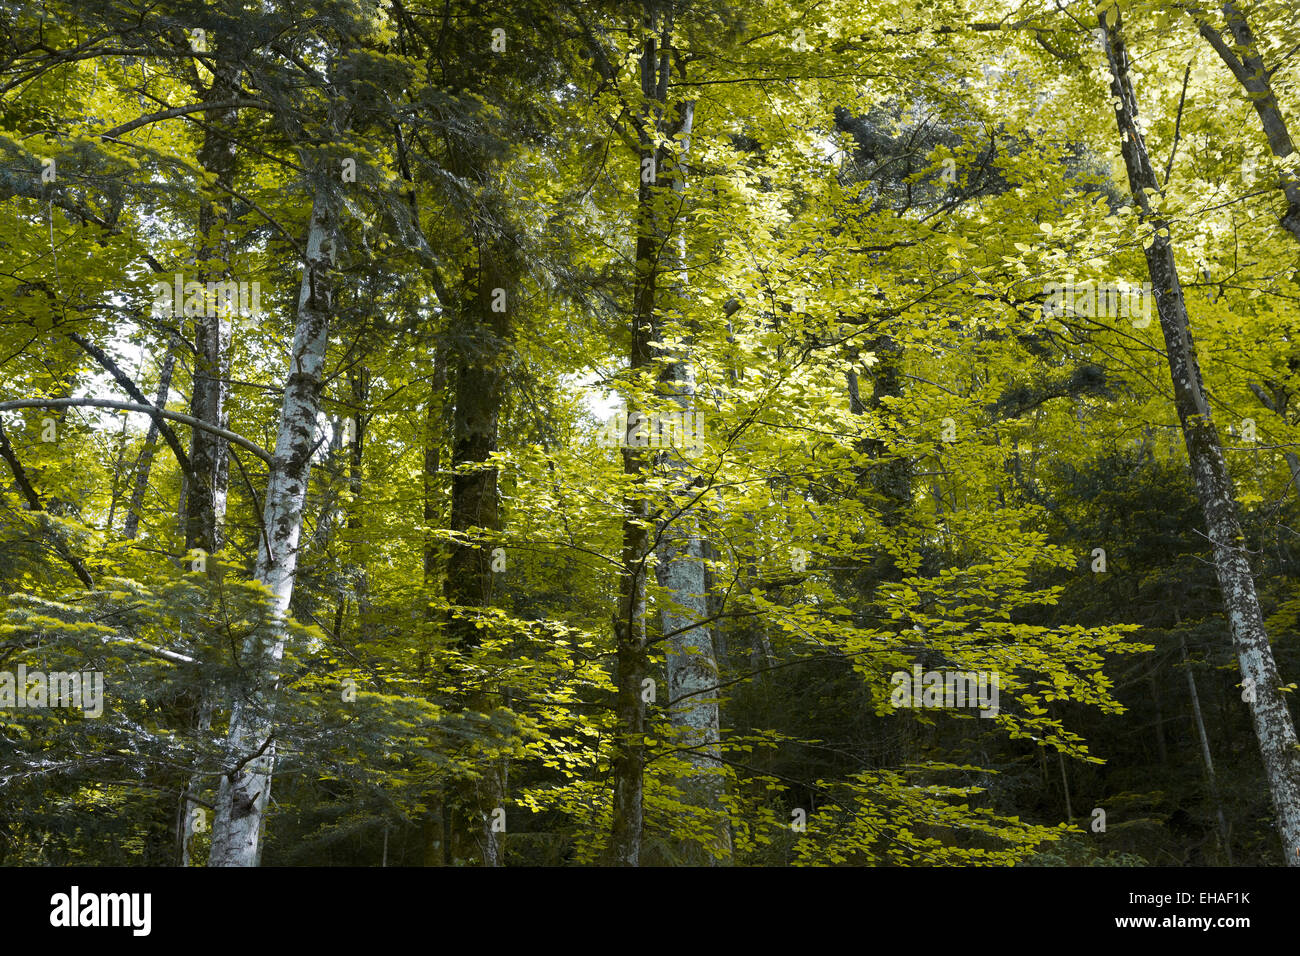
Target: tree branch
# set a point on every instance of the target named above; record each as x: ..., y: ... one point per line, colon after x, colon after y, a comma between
x: 100, y: 356
x: 147, y: 409
x: 35, y: 503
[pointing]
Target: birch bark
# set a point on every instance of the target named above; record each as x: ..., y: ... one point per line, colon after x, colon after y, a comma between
x: 246, y: 784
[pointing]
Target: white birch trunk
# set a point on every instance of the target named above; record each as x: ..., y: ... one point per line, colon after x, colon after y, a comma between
x: 246, y: 785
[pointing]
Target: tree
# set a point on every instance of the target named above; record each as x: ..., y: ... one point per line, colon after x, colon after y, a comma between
x: 1260, y: 680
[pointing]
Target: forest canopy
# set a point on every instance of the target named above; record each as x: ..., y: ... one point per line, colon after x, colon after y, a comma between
x: 649, y: 433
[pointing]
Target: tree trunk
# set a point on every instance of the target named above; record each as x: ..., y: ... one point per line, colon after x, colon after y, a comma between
x: 131, y: 526
x: 631, y: 662
x: 210, y: 454
x: 1244, y: 61
x: 1162, y: 749
x: 1205, y: 752
x: 115, y: 483
x: 484, y: 330
x: 434, y: 825
x: 1214, y: 488
x: 205, y: 500
x: 692, y: 660
x: 1065, y: 786
x: 246, y: 785
x: 189, y: 810
x: 359, y: 387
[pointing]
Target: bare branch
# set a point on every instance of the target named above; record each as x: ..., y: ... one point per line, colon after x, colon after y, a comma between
x: 232, y: 437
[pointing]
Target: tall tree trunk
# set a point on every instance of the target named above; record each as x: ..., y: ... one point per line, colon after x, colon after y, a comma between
x: 1214, y: 488
x: 692, y: 667
x: 692, y: 659
x: 246, y: 784
x: 632, y: 665
x: 205, y: 499
x: 209, y: 454
x: 484, y: 331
